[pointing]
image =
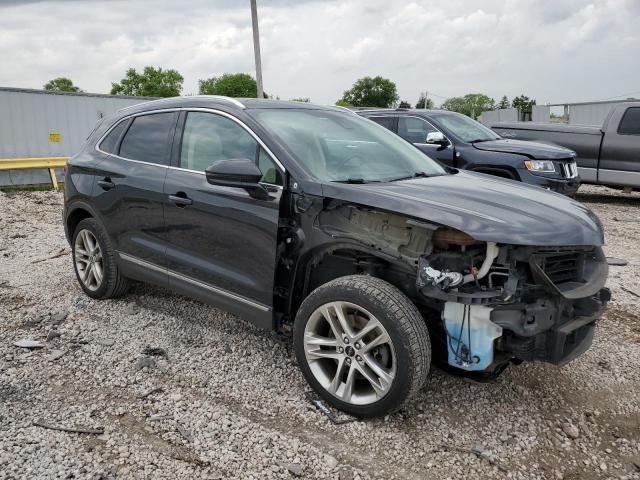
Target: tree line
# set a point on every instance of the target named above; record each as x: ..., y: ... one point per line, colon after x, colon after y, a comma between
x: 365, y: 92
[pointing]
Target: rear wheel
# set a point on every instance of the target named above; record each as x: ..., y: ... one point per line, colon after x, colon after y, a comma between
x: 362, y: 345
x: 94, y: 262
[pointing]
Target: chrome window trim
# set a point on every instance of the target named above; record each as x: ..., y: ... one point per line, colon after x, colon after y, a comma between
x: 187, y: 109
x: 193, y: 281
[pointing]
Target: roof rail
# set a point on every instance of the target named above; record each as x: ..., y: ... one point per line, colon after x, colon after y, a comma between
x: 228, y: 99
x: 233, y: 101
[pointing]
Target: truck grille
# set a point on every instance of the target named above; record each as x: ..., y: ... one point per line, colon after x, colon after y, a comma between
x: 561, y: 265
x: 569, y: 169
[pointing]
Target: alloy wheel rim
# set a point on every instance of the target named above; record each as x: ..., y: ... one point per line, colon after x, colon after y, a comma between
x: 88, y: 260
x: 350, y: 353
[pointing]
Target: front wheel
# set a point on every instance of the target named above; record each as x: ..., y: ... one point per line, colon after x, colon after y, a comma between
x: 362, y: 345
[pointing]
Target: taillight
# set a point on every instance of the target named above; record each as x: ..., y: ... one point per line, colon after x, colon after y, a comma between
x: 65, y: 170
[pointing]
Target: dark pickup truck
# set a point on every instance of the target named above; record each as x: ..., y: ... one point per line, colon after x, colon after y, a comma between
x: 606, y: 155
x: 458, y: 141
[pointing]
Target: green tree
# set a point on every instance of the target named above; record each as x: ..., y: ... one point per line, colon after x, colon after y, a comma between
x: 240, y: 85
x: 61, y: 84
x: 152, y: 82
x: 404, y: 104
x: 372, y: 92
x: 424, y: 102
x: 343, y: 103
x: 523, y: 103
x: 504, y: 103
x: 472, y: 104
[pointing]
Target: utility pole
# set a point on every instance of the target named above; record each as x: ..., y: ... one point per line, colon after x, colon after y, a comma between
x: 256, y: 47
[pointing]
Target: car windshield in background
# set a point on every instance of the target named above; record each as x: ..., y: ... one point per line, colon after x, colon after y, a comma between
x: 466, y: 129
x: 342, y: 147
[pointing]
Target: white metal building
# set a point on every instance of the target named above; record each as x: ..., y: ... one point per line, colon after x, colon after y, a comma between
x: 41, y: 123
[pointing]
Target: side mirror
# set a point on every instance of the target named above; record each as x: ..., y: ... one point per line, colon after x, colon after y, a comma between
x: 437, y: 138
x: 239, y: 173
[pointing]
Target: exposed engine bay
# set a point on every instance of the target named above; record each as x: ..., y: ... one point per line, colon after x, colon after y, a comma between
x: 486, y: 304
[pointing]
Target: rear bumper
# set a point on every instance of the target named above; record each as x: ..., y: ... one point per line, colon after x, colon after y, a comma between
x: 548, y: 331
x: 565, y: 186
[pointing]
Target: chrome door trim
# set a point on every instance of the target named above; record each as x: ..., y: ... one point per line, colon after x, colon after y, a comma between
x: 186, y: 109
x: 193, y: 281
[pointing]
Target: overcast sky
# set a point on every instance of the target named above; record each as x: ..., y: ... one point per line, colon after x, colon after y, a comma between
x: 554, y: 51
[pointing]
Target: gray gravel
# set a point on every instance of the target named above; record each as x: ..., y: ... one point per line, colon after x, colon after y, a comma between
x: 224, y: 400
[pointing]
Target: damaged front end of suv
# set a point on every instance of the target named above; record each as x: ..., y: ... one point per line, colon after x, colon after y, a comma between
x: 511, y: 288
x: 387, y: 260
x: 506, y: 302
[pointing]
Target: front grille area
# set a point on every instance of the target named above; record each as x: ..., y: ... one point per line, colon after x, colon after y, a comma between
x: 561, y: 265
x: 569, y: 169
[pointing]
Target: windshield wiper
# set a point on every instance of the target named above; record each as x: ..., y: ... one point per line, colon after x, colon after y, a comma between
x: 415, y: 175
x: 479, y: 140
x: 355, y: 180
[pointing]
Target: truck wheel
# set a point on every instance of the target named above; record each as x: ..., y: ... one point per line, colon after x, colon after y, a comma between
x: 362, y: 345
x: 94, y: 262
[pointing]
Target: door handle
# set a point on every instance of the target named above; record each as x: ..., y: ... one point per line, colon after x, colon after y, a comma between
x: 181, y: 199
x: 106, y: 183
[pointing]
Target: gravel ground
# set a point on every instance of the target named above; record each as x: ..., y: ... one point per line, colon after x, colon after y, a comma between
x: 231, y: 402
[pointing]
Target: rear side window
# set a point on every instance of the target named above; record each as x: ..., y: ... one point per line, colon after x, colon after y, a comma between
x: 148, y: 138
x: 630, y: 123
x: 386, y: 122
x: 110, y: 142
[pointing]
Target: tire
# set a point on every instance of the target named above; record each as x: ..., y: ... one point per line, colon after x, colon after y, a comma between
x: 111, y: 284
x: 398, y: 367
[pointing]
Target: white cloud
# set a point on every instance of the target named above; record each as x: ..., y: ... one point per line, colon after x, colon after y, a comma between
x: 566, y: 50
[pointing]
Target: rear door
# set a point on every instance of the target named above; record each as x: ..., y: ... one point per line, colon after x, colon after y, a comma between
x: 415, y: 130
x: 221, y: 242
x: 130, y: 193
x: 620, y: 154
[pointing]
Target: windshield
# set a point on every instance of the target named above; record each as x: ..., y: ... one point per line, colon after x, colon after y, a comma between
x: 465, y: 128
x: 343, y: 147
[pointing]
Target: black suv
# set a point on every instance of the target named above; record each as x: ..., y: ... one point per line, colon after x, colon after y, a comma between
x: 459, y: 141
x: 320, y: 224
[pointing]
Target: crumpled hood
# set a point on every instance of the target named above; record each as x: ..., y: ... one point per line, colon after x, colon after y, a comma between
x: 533, y: 150
x: 486, y: 207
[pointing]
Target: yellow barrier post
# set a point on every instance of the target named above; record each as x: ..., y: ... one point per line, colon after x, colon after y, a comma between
x: 49, y: 163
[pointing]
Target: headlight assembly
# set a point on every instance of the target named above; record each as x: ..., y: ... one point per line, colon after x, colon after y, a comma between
x: 540, y: 166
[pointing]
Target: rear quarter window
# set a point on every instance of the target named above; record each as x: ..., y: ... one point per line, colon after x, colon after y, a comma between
x: 148, y: 138
x: 630, y: 123
x: 110, y: 143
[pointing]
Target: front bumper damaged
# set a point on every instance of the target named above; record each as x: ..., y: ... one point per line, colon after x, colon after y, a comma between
x: 545, y: 308
x: 549, y: 331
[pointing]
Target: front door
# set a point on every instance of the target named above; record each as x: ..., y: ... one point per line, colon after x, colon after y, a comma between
x: 415, y: 130
x: 221, y: 241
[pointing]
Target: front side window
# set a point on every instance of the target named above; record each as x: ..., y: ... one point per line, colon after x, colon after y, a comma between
x: 413, y: 129
x: 630, y: 123
x: 148, y: 138
x: 208, y: 138
x: 343, y: 147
